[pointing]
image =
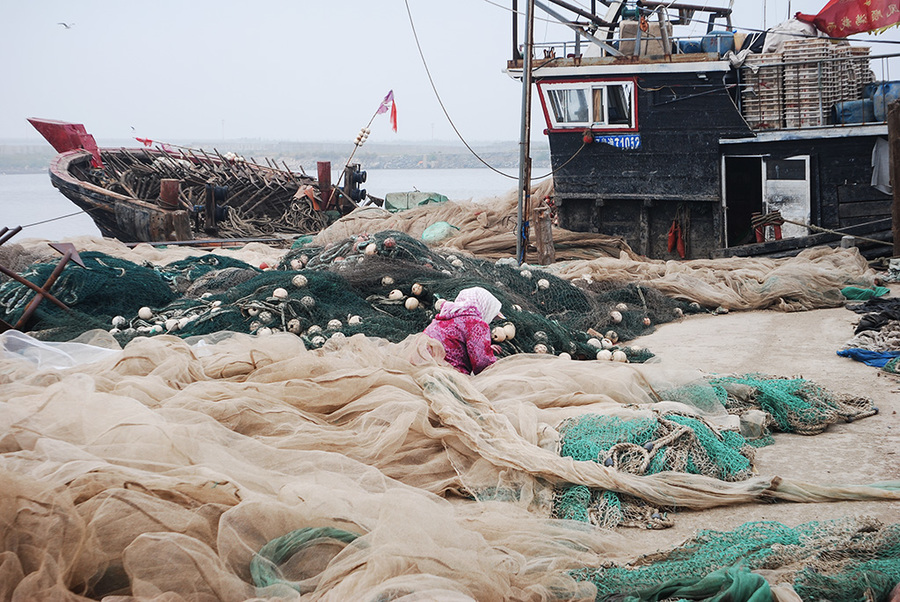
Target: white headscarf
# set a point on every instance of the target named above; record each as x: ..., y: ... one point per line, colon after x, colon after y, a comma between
x: 483, y: 301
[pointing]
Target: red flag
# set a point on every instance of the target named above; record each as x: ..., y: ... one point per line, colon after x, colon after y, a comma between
x: 144, y: 141
x: 841, y: 18
x: 394, y: 116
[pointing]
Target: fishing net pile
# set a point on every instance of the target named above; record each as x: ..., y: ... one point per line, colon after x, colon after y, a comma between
x: 841, y: 561
x: 813, y: 279
x: 728, y: 417
x: 387, y: 285
x: 231, y: 467
x: 486, y: 228
x: 877, y: 336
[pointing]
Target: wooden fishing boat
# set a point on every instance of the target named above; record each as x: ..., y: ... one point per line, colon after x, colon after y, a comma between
x: 718, y: 144
x: 168, y: 193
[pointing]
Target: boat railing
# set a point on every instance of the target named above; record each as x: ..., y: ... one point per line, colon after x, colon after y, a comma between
x: 816, y: 82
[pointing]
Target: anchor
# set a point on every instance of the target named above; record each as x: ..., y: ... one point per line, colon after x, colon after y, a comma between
x: 69, y: 253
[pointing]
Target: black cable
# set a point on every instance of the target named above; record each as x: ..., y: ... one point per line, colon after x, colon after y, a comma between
x: 450, y: 120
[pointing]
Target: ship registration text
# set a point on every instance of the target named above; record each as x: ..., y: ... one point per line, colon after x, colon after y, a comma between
x: 625, y: 141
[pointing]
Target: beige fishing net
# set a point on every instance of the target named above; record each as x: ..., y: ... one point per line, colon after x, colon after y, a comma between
x: 372, y: 470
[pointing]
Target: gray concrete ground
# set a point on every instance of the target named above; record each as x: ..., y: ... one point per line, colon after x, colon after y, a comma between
x: 790, y: 344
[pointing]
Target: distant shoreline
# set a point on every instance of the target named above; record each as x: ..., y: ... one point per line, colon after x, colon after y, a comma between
x: 30, y: 158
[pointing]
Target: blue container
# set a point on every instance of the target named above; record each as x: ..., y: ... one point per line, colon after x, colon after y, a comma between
x: 719, y: 42
x: 689, y: 47
x: 882, y: 94
x: 853, y: 111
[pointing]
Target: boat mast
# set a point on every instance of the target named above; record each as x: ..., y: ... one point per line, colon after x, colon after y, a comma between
x: 525, y: 135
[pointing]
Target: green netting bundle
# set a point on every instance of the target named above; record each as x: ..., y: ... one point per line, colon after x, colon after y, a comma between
x: 387, y: 285
x: 841, y: 561
x: 105, y: 287
x: 662, y: 442
x: 796, y: 405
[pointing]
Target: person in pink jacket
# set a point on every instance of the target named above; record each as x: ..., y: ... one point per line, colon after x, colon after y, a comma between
x: 462, y: 327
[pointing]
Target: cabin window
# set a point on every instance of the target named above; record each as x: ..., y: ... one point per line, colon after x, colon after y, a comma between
x: 607, y: 105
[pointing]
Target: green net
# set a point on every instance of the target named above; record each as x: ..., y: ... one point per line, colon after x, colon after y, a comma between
x: 664, y: 442
x: 674, y: 441
x: 387, y: 285
x: 841, y: 561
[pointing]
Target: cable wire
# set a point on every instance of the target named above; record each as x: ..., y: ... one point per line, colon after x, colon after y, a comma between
x: 450, y: 120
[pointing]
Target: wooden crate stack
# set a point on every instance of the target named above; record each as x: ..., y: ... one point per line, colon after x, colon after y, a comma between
x: 810, y: 86
x: 762, y: 94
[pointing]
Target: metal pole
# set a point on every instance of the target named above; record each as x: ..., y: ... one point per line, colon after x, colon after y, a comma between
x: 525, y: 135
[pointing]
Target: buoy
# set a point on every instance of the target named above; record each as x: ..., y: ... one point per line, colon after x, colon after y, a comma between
x: 604, y: 355
x: 266, y: 317
x: 299, y: 281
x: 334, y: 324
x: 612, y: 335
x: 646, y: 321
x: 280, y: 293
x: 304, y: 259
x: 114, y: 331
x: 606, y: 343
x: 255, y: 325
x: 157, y: 329
x: 540, y: 336
x: 183, y: 322
x: 308, y: 302
x: 411, y: 303
x: 294, y: 326
x: 498, y: 334
x: 253, y: 311
x: 318, y: 340
x: 622, y: 306
x: 457, y: 263
x: 525, y: 273
x: 543, y: 284
x: 616, y: 316
x: 395, y: 295
x: 510, y: 329
x: 264, y: 331
x: 389, y: 242
x: 296, y: 264
x: 145, y: 313
x: 387, y: 281
x: 264, y: 266
x: 354, y: 320
x: 416, y: 289
x: 619, y: 356
x: 119, y: 322
x: 564, y: 355
x: 517, y: 307
x: 371, y: 249
x: 338, y: 336
x: 171, y: 324
x: 595, y: 342
x: 679, y: 313
x: 540, y: 348
x: 314, y: 329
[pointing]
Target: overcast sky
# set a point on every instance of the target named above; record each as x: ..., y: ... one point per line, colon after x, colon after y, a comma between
x: 296, y: 70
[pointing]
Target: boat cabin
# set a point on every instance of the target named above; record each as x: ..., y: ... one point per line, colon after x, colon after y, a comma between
x: 714, y: 144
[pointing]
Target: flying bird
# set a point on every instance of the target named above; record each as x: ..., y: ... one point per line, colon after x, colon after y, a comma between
x: 66, y: 25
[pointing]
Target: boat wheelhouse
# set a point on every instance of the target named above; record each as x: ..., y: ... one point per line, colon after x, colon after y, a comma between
x: 714, y: 145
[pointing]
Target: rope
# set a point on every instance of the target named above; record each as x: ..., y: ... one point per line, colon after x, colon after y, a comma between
x: 264, y: 565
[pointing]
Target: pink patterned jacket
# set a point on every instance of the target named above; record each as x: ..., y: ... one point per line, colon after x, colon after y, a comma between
x: 466, y: 339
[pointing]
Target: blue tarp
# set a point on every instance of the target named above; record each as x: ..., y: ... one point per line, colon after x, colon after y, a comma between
x: 876, y: 359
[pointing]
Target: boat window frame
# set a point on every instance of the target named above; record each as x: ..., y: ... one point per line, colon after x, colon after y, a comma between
x: 547, y: 87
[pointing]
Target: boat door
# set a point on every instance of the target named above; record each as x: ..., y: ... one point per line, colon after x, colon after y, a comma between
x: 759, y: 184
x: 786, y: 189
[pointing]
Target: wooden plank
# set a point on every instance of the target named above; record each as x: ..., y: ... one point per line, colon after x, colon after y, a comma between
x: 864, y: 209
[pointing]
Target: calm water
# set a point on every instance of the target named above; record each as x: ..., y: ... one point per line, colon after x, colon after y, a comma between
x: 30, y: 200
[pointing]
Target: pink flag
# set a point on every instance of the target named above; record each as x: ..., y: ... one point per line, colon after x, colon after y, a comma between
x: 386, y: 103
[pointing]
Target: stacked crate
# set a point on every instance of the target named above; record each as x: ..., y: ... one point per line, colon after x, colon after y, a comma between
x: 762, y: 100
x: 810, y: 85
